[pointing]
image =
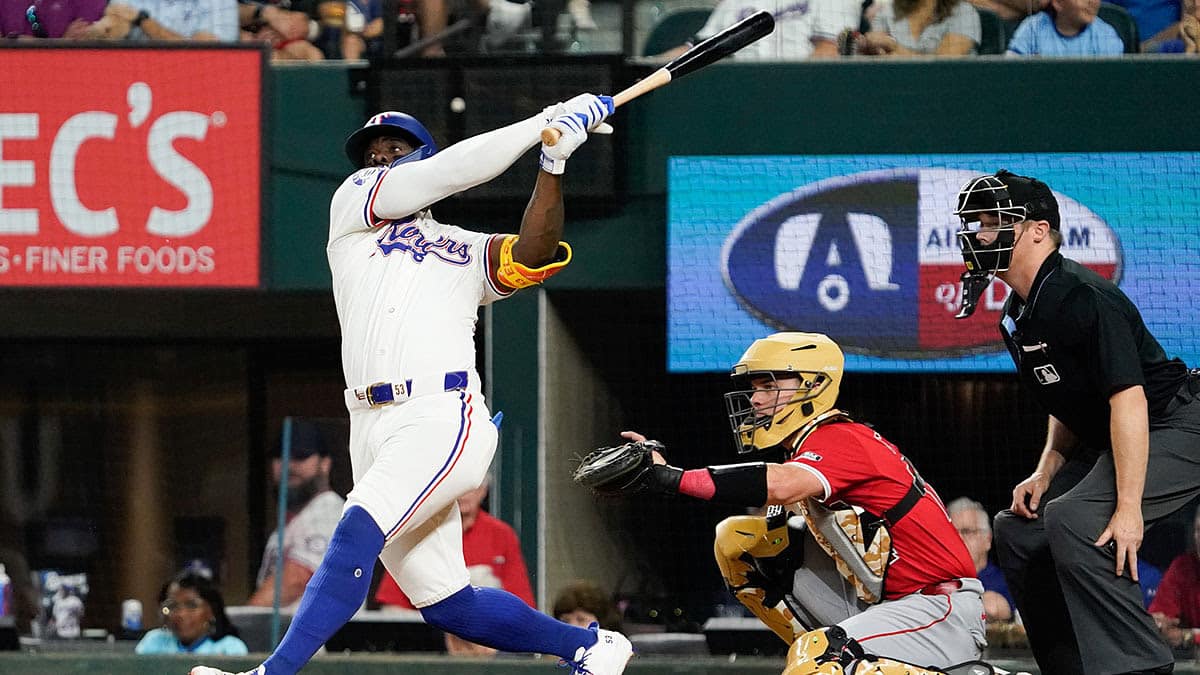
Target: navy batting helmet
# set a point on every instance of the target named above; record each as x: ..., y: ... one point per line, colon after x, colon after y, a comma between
x: 391, y: 123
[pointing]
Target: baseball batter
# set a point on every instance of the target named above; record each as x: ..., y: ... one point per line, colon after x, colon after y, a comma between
x: 877, y: 561
x: 407, y: 290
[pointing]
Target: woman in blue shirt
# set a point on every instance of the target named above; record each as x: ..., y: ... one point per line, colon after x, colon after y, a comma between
x: 194, y: 621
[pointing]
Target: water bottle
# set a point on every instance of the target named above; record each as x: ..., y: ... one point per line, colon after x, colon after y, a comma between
x: 5, y: 592
x: 131, y: 616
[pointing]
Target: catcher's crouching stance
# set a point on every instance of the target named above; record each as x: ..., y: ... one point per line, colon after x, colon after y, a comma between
x: 855, y: 564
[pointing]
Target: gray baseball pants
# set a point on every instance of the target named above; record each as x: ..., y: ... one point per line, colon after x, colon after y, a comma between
x: 1080, y: 616
x: 926, y: 630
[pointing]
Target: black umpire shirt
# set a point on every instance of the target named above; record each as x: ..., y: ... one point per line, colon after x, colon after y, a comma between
x: 1077, y: 341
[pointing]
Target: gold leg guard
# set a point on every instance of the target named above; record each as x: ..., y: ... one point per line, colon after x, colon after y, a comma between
x: 881, y: 666
x: 821, y: 652
x: 739, y: 539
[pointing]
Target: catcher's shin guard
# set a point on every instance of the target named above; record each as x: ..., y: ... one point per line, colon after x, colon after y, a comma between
x: 829, y: 651
x: 881, y: 666
x: 739, y: 540
x: 825, y: 651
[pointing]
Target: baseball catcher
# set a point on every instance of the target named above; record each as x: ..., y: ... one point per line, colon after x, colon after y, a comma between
x: 855, y: 564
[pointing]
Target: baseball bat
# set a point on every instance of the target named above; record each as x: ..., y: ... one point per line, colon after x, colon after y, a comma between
x: 728, y: 41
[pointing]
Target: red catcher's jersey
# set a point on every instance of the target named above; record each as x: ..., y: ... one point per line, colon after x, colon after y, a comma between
x: 858, y: 467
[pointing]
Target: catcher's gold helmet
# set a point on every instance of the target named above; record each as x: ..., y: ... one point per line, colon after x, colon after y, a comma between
x: 764, y: 416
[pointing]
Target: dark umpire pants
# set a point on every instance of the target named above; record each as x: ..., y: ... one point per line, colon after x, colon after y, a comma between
x: 1081, y: 617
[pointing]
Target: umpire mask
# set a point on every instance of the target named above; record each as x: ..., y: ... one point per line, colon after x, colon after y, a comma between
x: 798, y: 377
x: 987, y: 235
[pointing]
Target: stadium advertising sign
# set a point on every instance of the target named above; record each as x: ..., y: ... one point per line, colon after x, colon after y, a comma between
x: 130, y: 167
x: 864, y: 250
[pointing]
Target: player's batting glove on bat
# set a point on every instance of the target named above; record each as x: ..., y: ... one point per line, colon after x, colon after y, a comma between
x: 576, y: 117
x: 590, y: 109
x: 627, y: 469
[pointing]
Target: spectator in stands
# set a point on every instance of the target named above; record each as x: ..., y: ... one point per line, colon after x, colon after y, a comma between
x: 362, y: 31
x: 48, y: 18
x: 1066, y: 28
x: 141, y: 20
x: 490, y: 549
x: 1011, y: 11
x: 974, y: 524
x: 313, y: 511
x: 194, y: 620
x: 501, y: 21
x: 1158, y: 23
x: 1176, y: 607
x: 922, y: 28
x: 1189, y: 26
x: 582, y: 603
x: 802, y: 30
x: 287, y: 31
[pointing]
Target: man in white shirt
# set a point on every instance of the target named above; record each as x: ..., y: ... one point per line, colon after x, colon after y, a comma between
x: 313, y: 511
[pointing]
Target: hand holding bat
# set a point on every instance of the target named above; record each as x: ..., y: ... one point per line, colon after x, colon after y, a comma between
x: 728, y: 41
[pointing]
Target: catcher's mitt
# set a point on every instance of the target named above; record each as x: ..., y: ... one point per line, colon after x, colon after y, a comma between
x: 623, y: 469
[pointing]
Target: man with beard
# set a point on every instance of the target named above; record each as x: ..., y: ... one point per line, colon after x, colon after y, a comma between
x: 313, y: 511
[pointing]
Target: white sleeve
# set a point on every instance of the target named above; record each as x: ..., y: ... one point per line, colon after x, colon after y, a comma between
x: 224, y: 20
x: 964, y: 20
x: 350, y: 206
x: 831, y: 17
x: 491, y: 291
x: 406, y: 189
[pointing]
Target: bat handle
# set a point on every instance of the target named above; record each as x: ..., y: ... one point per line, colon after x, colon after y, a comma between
x: 658, y: 78
x: 550, y: 136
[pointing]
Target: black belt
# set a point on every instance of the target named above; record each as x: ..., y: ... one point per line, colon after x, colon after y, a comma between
x: 1186, y: 394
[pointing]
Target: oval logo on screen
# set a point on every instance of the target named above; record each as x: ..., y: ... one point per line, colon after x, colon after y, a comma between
x: 871, y: 260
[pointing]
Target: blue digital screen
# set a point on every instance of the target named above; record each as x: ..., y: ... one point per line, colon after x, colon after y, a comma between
x: 862, y: 248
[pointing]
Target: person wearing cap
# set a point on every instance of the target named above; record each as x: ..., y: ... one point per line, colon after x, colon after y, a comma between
x: 1122, y: 448
x: 313, y: 511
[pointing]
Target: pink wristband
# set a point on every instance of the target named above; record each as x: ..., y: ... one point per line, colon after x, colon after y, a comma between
x: 697, y: 483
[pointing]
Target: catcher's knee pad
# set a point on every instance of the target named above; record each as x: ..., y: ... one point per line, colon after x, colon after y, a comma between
x: 739, y: 540
x: 825, y: 651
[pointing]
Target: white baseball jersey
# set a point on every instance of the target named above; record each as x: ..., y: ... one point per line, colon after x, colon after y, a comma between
x: 408, y: 291
x: 305, y: 536
x: 797, y: 24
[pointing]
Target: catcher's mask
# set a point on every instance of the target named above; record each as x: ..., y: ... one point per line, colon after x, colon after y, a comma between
x: 392, y: 123
x: 782, y: 382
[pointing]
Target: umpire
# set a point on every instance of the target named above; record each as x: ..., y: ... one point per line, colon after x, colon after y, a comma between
x: 1122, y: 449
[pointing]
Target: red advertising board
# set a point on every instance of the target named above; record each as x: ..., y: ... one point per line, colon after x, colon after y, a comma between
x: 130, y: 167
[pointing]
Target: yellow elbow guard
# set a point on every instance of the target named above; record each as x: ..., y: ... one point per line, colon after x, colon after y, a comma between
x: 515, y: 275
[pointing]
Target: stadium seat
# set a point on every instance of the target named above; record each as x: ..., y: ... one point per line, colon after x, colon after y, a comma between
x: 674, y: 29
x: 993, y: 35
x: 1120, y: 19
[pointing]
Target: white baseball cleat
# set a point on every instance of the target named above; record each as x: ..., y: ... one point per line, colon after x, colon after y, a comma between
x: 608, y: 656
x: 206, y: 670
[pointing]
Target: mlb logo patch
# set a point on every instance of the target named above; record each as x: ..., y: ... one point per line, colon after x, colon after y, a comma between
x: 1046, y: 374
